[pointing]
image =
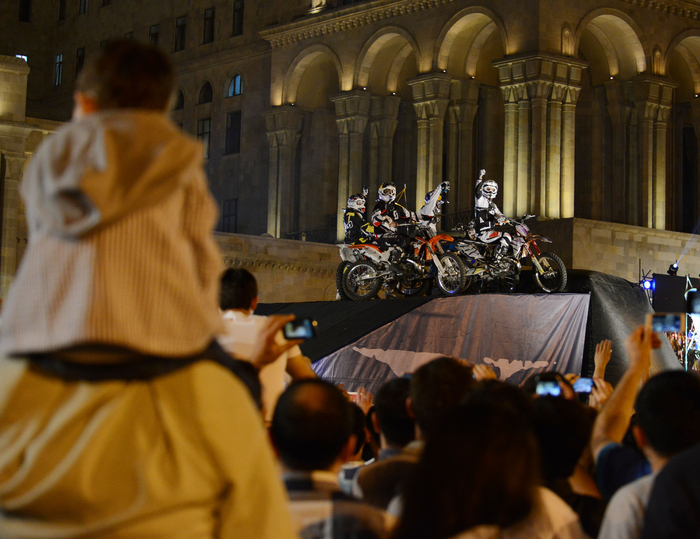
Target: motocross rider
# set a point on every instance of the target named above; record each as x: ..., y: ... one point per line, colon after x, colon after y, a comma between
x: 487, y: 215
x: 357, y: 229
x: 386, y: 216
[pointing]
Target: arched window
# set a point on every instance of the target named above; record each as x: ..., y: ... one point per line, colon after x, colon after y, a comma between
x: 180, y: 101
x: 205, y: 94
x: 235, y: 87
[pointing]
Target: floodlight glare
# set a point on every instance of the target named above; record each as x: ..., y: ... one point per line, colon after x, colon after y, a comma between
x: 647, y: 285
x: 673, y: 269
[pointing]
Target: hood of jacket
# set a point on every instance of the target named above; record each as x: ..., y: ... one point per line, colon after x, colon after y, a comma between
x: 94, y: 170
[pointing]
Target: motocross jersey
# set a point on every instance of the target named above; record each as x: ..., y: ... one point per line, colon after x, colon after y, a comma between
x: 486, y: 213
x: 357, y: 230
x: 385, y: 213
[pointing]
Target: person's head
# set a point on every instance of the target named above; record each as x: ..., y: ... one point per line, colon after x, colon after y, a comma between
x: 437, y: 388
x: 563, y: 428
x: 489, y: 189
x: 312, y: 426
x: 357, y: 202
x: 668, y: 412
x: 479, y: 468
x: 387, y: 192
x: 126, y: 74
x: 239, y: 290
x: 392, y: 418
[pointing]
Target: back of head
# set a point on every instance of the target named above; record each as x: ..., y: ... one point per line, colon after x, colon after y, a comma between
x: 437, y: 388
x: 390, y: 406
x: 128, y: 74
x: 563, y: 428
x: 480, y: 468
x: 668, y: 411
x: 238, y: 289
x: 311, y: 424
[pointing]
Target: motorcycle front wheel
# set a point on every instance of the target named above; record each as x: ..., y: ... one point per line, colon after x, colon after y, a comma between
x: 553, y: 277
x: 454, y: 278
x: 360, y: 281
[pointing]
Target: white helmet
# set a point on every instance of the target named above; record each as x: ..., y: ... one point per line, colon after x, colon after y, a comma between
x: 357, y: 202
x: 387, y: 192
x: 489, y: 189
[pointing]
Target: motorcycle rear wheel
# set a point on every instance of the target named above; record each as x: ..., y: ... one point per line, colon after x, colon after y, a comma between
x: 342, y: 268
x: 455, y: 278
x: 555, y: 277
x: 360, y: 281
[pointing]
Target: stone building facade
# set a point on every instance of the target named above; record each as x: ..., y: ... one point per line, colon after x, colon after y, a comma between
x: 584, y: 112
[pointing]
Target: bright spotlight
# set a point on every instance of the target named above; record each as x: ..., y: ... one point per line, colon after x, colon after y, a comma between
x: 647, y: 285
x: 673, y: 269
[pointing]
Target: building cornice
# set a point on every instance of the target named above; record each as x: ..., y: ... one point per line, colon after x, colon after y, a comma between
x: 340, y: 20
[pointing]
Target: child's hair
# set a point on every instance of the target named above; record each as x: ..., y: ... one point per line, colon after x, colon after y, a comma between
x: 128, y: 74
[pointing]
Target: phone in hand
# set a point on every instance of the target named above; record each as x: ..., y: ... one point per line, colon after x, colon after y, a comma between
x: 548, y: 388
x: 667, y: 322
x: 583, y: 385
x: 300, y: 328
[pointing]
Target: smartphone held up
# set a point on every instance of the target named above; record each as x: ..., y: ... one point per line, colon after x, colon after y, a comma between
x: 301, y: 328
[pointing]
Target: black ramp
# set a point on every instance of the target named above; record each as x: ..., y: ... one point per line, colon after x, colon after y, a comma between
x: 618, y: 307
x: 342, y: 322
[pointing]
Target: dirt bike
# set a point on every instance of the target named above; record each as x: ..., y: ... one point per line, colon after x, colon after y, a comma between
x: 491, y: 263
x: 369, y: 267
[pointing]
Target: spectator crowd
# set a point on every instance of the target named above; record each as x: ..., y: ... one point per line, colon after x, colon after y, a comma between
x: 134, y: 404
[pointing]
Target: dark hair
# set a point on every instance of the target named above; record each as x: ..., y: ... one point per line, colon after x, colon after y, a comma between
x: 238, y: 289
x: 479, y: 468
x: 668, y: 411
x: 436, y: 388
x: 312, y: 422
x: 390, y: 406
x: 128, y: 74
x: 563, y: 429
x: 358, y: 427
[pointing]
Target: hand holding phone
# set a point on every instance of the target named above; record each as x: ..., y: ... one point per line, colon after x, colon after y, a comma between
x: 583, y: 385
x: 667, y: 322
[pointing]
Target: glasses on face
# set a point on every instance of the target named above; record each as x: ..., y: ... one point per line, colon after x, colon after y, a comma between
x: 388, y: 191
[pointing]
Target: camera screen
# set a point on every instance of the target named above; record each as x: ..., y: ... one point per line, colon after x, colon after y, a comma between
x: 583, y: 385
x: 550, y: 388
x: 666, y: 322
x: 299, y: 329
x: 693, y: 302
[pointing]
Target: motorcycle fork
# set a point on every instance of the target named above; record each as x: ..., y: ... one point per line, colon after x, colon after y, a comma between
x: 533, y: 256
x: 436, y: 260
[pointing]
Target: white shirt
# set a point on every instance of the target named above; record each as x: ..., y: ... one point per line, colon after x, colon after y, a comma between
x: 240, y: 334
x: 624, y: 516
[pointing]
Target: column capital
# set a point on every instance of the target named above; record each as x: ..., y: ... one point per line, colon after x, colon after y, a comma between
x: 540, y: 66
x: 430, y: 86
x: 352, y: 103
x: 283, y: 125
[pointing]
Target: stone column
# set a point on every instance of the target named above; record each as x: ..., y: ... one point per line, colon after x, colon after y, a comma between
x: 431, y: 94
x: 283, y: 126
x: 543, y: 87
x: 510, y: 152
x: 568, y: 151
x: 552, y: 187
x: 619, y: 110
x: 601, y: 197
x: 352, y: 111
x: 384, y: 112
x: 10, y: 174
x: 695, y: 115
x: 653, y: 98
x: 465, y: 95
